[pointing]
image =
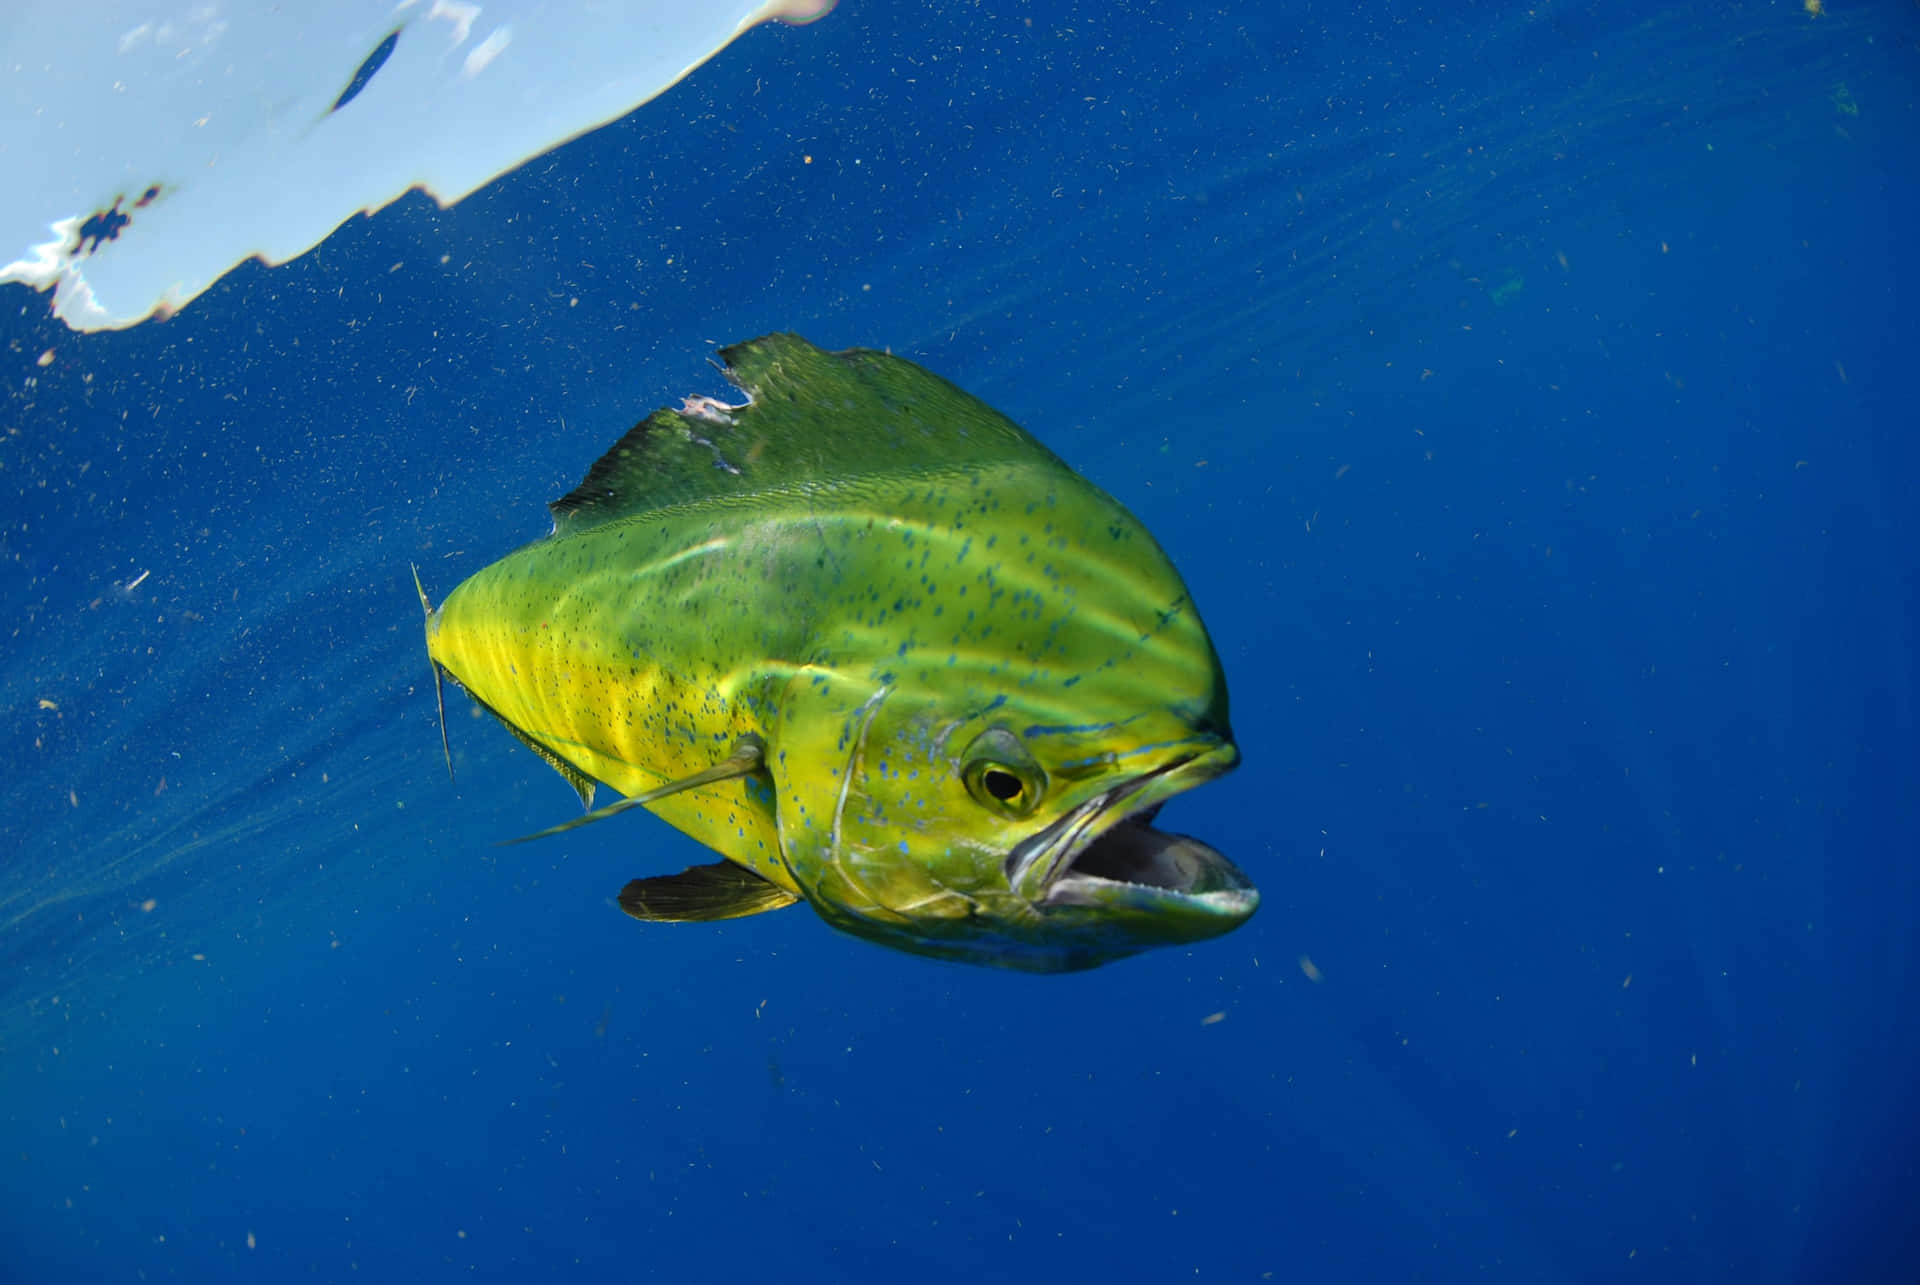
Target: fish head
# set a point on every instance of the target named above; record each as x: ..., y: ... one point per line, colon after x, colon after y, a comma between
x: 1002, y: 813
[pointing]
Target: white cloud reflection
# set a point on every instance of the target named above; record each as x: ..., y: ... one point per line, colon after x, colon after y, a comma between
x: 148, y: 148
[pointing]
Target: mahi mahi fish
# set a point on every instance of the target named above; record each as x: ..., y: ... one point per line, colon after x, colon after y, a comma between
x: 879, y: 649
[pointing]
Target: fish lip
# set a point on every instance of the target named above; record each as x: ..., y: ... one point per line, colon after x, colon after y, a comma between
x: 1112, y: 827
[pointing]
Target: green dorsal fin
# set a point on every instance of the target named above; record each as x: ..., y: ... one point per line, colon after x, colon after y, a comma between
x: 809, y: 415
x: 719, y: 891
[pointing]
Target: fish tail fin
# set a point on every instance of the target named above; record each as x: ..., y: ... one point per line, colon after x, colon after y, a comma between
x: 439, y: 695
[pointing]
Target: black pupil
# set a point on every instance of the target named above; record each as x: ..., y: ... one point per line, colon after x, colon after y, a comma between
x: 1004, y: 786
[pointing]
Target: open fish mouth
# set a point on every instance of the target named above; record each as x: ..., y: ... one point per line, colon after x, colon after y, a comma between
x: 1132, y: 856
x: 1106, y: 854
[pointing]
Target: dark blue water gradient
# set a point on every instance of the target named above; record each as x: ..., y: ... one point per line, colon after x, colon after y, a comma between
x: 1524, y: 394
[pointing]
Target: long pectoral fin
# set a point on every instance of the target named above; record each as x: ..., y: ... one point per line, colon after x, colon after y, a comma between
x: 749, y: 753
x: 701, y: 893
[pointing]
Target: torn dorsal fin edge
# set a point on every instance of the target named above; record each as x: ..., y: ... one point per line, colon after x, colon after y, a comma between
x: 811, y: 417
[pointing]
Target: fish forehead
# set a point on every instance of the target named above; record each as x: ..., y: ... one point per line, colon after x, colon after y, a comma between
x: 1015, y: 579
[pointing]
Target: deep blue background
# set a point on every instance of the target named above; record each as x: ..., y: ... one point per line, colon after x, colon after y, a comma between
x: 1526, y: 394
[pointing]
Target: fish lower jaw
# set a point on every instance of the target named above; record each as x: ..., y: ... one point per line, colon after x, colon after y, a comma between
x: 1207, y: 914
x: 1134, y: 864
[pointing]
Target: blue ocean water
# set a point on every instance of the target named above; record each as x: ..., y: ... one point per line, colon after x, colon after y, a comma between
x: 1519, y: 390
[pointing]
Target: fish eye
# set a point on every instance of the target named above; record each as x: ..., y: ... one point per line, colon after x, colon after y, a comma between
x: 1002, y: 784
x: 1000, y: 774
x: 1004, y: 787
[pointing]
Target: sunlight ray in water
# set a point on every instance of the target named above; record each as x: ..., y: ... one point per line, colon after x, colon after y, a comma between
x: 155, y: 146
